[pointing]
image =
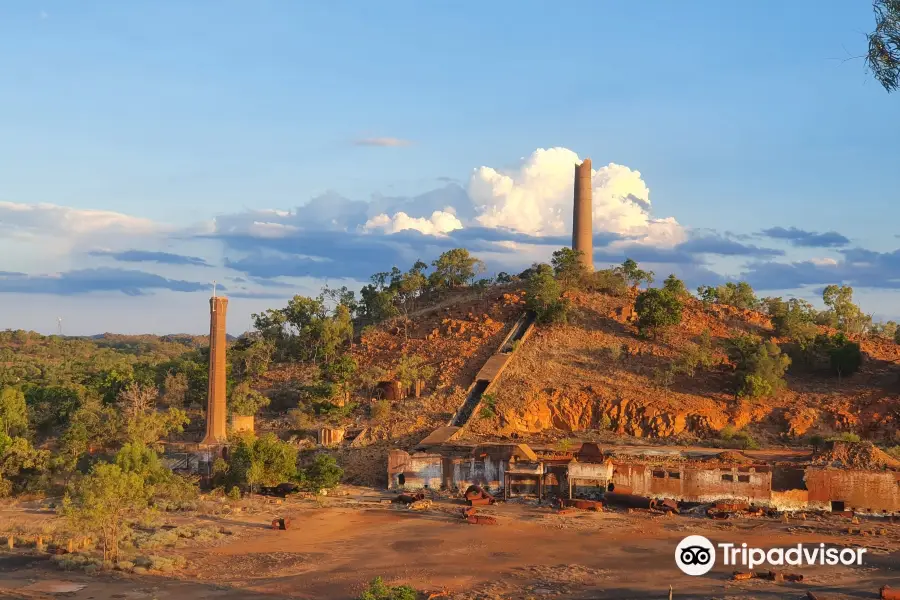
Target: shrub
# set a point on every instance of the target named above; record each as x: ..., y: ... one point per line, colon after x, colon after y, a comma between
x: 760, y: 366
x: 324, y: 473
x: 675, y: 286
x: 696, y: 355
x: 847, y: 436
x: 488, y: 406
x: 567, y: 267
x: 657, y: 309
x: 608, y: 281
x: 633, y: 274
x: 794, y: 319
x: 378, y: 590
x: 544, y: 296
x: 844, y: 356
x: 380, y: 410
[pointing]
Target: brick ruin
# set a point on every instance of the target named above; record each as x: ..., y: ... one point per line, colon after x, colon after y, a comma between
x: 582, y: 214
x: 215, y: 408
x: 685, y: 475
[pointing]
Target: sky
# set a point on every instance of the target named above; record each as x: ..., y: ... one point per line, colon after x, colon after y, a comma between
x: 149, y: 148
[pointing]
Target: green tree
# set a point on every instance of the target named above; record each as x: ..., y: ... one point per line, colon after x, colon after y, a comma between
x: 760, y: 366
x: 844, y: 356
x: 13, y: 411
x: 675, y: 286
x: 175, y: 389
x: 323, y: 473
x: 264, y: 460
x: 608, y: 281
x: 454, y: 268
x: 22, y: 467
x: 887, y: 330
x: 842, y: 313
x: 379, y: 590
x: 142, y: 423
x: 544, y: 296
x: 794, y: 319
x: 245, y: 401
x: 567, y: 266
x: 634, y: 275
x: 102, y: 502
x: 411, y: 368
x: 656, y: 310
x: 162, y: 487
x: 883, y: 57
x: 739, y: 295
x: 341, y: 372
x: 708, y: 294
x: 700, y: 354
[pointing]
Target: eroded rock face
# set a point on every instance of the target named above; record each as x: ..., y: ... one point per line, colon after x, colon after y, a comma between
x: 583, y: 410
x: 800, y: 420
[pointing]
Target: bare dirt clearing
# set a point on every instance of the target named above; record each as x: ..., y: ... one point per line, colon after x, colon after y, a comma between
x: 331, y: 551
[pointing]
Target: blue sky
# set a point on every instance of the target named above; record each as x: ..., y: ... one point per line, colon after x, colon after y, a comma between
x: 739, y: 117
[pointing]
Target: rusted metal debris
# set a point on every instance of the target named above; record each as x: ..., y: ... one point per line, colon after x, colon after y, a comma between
x: 629, y: 500
x: 476, y: 492
x: 581, y: 504
x: 889, y: 593
x: 409, y: 498
x: 668, y: 505
x: 481, y: 520
x: 731, y: 507
x: 740, y: 576
x: 281, y: 524
x: 480, y: 501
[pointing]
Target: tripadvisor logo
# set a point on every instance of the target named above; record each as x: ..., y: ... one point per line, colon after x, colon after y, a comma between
x: 696, y: 555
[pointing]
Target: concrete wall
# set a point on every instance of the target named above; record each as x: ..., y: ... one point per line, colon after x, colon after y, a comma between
x: 419, y: 470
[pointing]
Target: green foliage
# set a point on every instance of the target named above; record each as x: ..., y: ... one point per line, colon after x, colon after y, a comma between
x: 379, y: 590
x: 141, y: 422
x: 162, y: 487
x: 675, y: 286
x: 412, y: 368
x: 701, y: 354
x: 323, y: 474
x: 883, y: 57
x: 504, y: 277
x: 846, y: 436
x: 634, y: 275
x: 103, y: 501
x: 608, y: 281
x: 760, y: 366
x: 22, y: 467
x: 657, y: 309
x: 567, y: 267
x: 245, y: 401
x: 264, y: 460
x: 730, y: 437
x: 544, y: 296
x: 380, y: 410
x: 454, y: 268
x: 842, y: 313
x: 844, y: 355
x: 739, y: 295
x: 488, y: 406
x: 251, y: 355
x: 13, y: 411
x: 816, y: 441
x: 886, y: 330
x: 794, y: 319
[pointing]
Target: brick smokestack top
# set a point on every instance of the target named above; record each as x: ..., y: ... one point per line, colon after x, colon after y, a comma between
x: 582, y: 214
x: 215, y: 407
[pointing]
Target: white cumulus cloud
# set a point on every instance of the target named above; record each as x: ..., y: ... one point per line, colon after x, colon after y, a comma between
x: 440, y: 222
x: 537, y: 198
x: 51, y: 218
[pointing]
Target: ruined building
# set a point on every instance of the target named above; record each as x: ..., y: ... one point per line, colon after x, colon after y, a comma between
x: 215, y: 407
x: 582, y: 214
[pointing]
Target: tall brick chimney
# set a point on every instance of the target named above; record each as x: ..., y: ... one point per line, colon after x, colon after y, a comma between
x: 582, y: 214
x: 215, y: 407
